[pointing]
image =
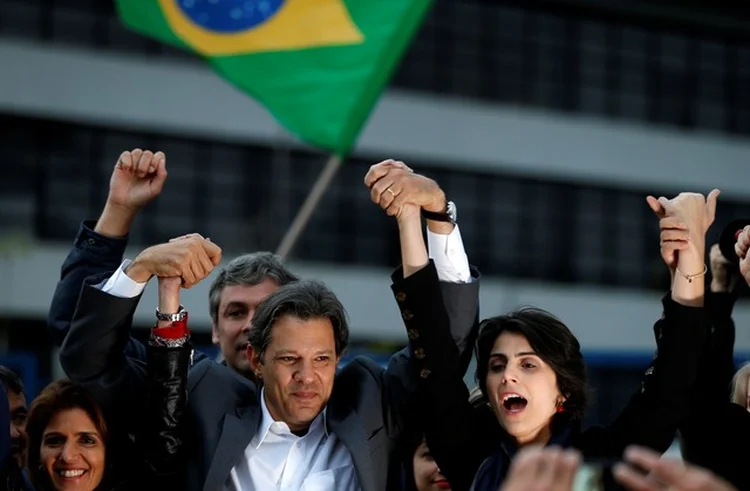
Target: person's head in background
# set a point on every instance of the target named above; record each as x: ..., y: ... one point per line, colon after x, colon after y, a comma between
x: 18, y: 412
x: 68, y: 438
x: 233, y: 297
x: 424, y: 469
x: 740, y: 389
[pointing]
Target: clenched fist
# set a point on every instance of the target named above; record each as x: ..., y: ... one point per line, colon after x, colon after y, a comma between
x: 138, y: 178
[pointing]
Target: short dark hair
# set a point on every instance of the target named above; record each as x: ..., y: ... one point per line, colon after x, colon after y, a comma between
x: 305, y: 299
x: 248, y: 270
x: 58, y: 396
x: 10, y: 380
x: 551, y: 340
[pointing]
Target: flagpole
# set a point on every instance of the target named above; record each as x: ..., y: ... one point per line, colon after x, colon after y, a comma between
x: 308, y: 207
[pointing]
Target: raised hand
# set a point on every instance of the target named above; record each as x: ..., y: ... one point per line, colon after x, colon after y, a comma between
x: 393, y: 186
x: 692, y: 209
x: 664, y: 474
x: 138, y: 177
x: 673, y: 237
x: 191, y: 257
x: 741, y: 248
x: 683, y: 244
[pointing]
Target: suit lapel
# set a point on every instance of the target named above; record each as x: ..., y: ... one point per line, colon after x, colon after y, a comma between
x: 349, y: 429
x: 236, y: 433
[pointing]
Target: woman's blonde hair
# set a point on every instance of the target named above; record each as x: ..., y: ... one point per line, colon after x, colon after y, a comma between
x: 739, y: 385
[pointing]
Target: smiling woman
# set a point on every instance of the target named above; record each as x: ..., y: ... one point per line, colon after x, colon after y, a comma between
x: 67, y: 437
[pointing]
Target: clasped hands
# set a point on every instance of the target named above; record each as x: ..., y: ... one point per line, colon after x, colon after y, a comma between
x: 189, y: 258
x: 400, y: 192
x: 683, y: 223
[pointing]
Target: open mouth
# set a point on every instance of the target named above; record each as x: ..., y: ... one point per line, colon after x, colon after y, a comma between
x: 70, y: 473
x: 514, y: 403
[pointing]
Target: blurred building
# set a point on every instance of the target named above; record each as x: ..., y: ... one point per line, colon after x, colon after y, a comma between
x: 547, y: 122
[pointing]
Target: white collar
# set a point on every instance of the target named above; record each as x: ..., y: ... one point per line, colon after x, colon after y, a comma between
x: 267, y: 421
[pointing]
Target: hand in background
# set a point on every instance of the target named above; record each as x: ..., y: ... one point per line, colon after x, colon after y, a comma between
x: 741, y: 248
x: 664, y: 474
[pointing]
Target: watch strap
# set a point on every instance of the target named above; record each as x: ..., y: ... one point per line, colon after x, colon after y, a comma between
x: 176, y: 317
x: 449, y: 215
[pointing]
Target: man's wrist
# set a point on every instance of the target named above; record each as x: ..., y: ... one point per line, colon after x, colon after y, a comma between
x: 115, y: 221
x: 138, y: 272
x: 439, y: 204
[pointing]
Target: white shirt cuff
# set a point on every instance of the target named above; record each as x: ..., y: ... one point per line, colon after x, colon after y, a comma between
x: 122, y: 285
x: 449, y: 255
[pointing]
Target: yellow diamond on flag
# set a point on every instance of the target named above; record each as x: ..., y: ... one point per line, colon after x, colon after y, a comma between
x: 234, y: 27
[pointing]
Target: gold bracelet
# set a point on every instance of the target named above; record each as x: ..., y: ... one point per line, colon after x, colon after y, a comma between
x: 690, y: 277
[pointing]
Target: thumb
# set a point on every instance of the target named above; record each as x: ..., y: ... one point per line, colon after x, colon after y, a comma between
x: 713, y: 196
x: 655, y: 206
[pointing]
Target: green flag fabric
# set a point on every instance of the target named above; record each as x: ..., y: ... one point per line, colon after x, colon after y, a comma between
x: 318, y: 66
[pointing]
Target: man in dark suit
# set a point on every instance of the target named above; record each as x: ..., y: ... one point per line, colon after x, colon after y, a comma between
x: 368, y: 408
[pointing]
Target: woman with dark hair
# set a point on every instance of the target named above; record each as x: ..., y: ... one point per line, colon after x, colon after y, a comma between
x: 70, y: 445
x: 532, y: 374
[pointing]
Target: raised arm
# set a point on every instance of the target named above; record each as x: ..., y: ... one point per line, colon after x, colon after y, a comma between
x: 407, y: 196
x: 169, y: 358
x: 92, y: 353
x: 438, y: 300
x: 99, y: 247
x: 663, y: 401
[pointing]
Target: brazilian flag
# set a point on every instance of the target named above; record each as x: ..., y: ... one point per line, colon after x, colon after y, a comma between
x: 317, y: 65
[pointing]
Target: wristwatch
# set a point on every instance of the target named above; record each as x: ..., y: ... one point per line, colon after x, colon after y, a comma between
x: 176, y: 317
x: 449, y: 215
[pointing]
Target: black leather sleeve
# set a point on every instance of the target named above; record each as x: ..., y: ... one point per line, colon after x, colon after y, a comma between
x: 164, y: 437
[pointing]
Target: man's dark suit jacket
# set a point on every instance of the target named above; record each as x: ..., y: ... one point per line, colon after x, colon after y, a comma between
x: 370, y: 409
x: 92, y: 255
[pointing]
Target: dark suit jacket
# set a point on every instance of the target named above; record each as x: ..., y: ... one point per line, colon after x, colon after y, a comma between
x: 461, y: 436
x: 722, y: 445
x: 369, y: 410
x: 93, y: 257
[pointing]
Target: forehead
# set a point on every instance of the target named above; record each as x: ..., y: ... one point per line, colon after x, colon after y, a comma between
x: 247, y: 294
x: 510, y: 343
x: 75, y: 420
x: 292, y: 333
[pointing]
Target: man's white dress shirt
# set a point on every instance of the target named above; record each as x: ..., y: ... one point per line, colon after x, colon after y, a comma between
x: 277, y: 459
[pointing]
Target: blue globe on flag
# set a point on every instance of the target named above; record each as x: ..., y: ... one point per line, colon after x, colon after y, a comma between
x: 229, y: 16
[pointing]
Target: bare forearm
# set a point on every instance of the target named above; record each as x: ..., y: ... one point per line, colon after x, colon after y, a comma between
x: 689, y: 285
x: 413, y: 249
x: 115, y: 221
x: 169, y: 298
